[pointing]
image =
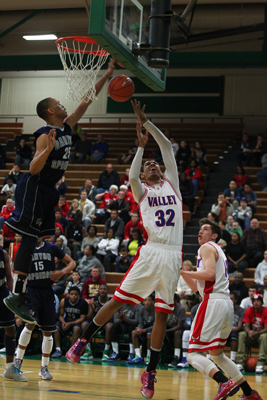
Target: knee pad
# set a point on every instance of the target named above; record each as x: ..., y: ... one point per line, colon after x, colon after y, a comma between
x: 10, y: 345
x: 228, y: 366
x: 201, y: 363
x: 25, y: 337
x: 47, y: 344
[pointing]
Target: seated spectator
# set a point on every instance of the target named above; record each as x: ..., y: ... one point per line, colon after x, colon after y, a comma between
x: 6, y: 211
x: 186, y: 295
x: 15, y: 173
x: 74, y: 280
x: 99, y: 149
x: 60, y: 284
x: 229, y: 225
x: 239, y: 286
x: 8, y: 236
x: 60, y: 243
x: 82, y: 149
x: 236, y: 254
x: 9, y: 188
x: 245, y: 150
x: 74, y: 234
x: 226, y: 236
x: 2, y: 156
x: 255, y: 240
x: 108, y: 249
x: 128, y: 157
x: 142, y: 333
x: 92, y: 284
x: 107, y: 198
x: 251, y: 197
x: 237, y: 325
x: 175, y: 146
x: 87, y: 208
x: 13, y: 248
x: 88, y: 262
x: 75, y: 211
x: 222, y: 208
x: 72, y: 312
x: 90, y: 190
x: 261, y: 272
x: 237, y: 228
x: 194, y: 174
x: 63, y: 204
x: 240, y: 177
x: 247, y: 301
x: 125, y: 180
x: 61, y: 186
x: 93, y: 307
x: 23, y: 154
x: 133, y: 223
x: 116, y: 224
x: 107, y: 178
x: 232, y: 194
x: 59, y: 219
x: 125, y: 321
x: 90, y: 240
x: 254, y: 334
x: 121, y: 206
x: 243, y: 214
x: 136, y: 240
x: 187, y: 191
x: 199, y: 153
x: 213, y: 217
x: 123, y: 261
x: 262, y: 175
x: 258, y: 150
x: 183, y: 155
x: 133, y: 206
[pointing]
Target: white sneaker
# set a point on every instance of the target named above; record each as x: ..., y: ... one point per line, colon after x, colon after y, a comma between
x: 183, y: 363
x: 240, y: 367
x: 45, y: 374
x: 13, y: 372
x: 259, y: 369
x: 3, y: 350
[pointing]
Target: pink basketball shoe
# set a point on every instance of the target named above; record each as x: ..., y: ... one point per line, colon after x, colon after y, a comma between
x: 226, y: 389
x: 148, y: 379
x: 76, y: 351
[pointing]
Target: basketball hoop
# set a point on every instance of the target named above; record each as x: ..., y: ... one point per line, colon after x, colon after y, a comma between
x: 82, y: 59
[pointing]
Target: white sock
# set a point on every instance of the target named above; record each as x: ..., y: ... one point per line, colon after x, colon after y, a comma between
x: 131, y: 348
x: 107, y: 347
x: 148, y: 353
x: 177, y: 352
x: 58, y: 348
x: 8, y: 365
x: 233, y: 355
x: 115, y: 347
x: 137, y: 352
x: 20, y: 353
x: 45, y: 361
x: 88, y: 346
x: 185, y: 354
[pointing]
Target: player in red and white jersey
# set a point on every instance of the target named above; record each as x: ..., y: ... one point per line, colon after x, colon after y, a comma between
x: 156, y: 266
x: 213, y: 321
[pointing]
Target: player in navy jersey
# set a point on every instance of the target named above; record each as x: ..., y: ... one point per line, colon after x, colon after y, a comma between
x: 42, y: 300
x: 36, y: 195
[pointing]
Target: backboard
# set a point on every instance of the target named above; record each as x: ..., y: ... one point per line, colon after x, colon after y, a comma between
x: 117, y: 26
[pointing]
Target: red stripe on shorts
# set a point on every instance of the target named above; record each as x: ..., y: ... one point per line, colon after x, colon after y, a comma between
x: 132, y: 264
x: 199, y: 320
x: 134, y: 296
x: 123, y: 300
x: 219, y: 346
x: 199, y: 342
x: 164, y: 302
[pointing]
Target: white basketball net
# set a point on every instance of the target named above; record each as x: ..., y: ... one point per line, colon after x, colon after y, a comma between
x: 81, y: 62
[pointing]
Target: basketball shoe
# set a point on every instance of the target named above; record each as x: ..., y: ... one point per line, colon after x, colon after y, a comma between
x: 226, y: 389
x: 74, y: 353
x: 148, y: 379
x: 254, y: 396
x: 18, y: 304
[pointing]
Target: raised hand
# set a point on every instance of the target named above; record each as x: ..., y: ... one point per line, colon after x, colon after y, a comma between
x: 111, y: 66
x: 139, y: 112
x: 141, y: 138
x: 51, y: 139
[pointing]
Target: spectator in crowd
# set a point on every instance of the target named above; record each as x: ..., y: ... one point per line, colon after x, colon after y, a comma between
x: 94, y: 306
x: 82, y: 149
x: 2, y: 156
x: 116, y: 224
x: 183, y: 155
x: 123, y: 261
x: 6, y: 211
x: 59, y: 219
x: 255, y: 333
x: 245, y: 150
x: 237, y: 325
x: 237, y: 228
x: 125, y: 180
x: 262, y: 175
x: 75, y: 211
x: 9, y: 188
x: 187, y: 191
x: 72, y: 312
x: 213, y: 217
x: 186, y: 295
x: 261, y: 272
x: 92, y: 284
x: 133, y: 206
x: 222, y: 208
x: 199, y: 153
x: 240, y: 177
x: 229, y: 225
x: 243, y: 214
x: 239, y: 286
x: 99, y: 149
x: 125, y: 321
x: 121, y: 205
x: 136, y: 240
x: 88, y: 262
x: 108, y: 249
x: 13, y: 248
x: 23, y: 154
x: 128, y: 157
x: 133, y: 223
x: 265, y: 291
x: 251, y: 197
x: 107, y: 198
x: 247, y: 301
x: 90, y: 240
x: 175, y: 146
x: 232, y: 194
x: 226, y: 236
x: 15, y: 173
x: 107, y: 178
x: 236, y: 255
x: 87, y: 208
x: 74, y: 233
x: 90, y: 190
x: 142, y: 332
x: 194, y: 174
x: 64, y: 205
x: 60, y: 243
x: 258, y: 150
x: 255, y: 240
x: 61, y: 186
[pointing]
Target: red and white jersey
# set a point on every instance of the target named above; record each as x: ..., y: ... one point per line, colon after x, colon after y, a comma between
x: 162, y: 214
x: 221, y: 282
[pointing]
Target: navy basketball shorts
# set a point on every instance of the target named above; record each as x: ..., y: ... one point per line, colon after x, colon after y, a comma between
x: 42, y: 307
x: 7, y: 318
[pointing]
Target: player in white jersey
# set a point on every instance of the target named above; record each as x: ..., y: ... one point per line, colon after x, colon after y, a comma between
x: 156, y: 265
x: 213, y: 321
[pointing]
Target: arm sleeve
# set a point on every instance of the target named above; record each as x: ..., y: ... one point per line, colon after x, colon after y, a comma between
x: 136, y: 185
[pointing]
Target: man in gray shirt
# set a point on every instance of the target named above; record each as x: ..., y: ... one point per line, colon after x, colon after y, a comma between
x: 89, y: 261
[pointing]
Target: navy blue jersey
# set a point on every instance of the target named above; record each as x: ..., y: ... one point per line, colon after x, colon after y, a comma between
x: 74, y: 311
x: 57, y: 161
x: 2, y: 268
x: 43, y: 264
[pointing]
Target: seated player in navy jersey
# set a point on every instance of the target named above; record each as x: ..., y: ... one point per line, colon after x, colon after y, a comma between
x: 36, y: 195
x: 42, y: 300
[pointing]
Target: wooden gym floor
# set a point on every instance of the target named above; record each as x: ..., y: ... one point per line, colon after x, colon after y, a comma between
x: 96, y: 381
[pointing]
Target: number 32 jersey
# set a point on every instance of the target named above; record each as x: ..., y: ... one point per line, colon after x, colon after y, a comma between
x: 162, y: 214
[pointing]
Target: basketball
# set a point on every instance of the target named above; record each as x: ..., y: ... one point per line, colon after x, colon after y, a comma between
x: 250, y: 364
x: 121, y: 88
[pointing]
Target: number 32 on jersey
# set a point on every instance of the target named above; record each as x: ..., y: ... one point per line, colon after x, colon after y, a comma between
x: 165, y: 218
